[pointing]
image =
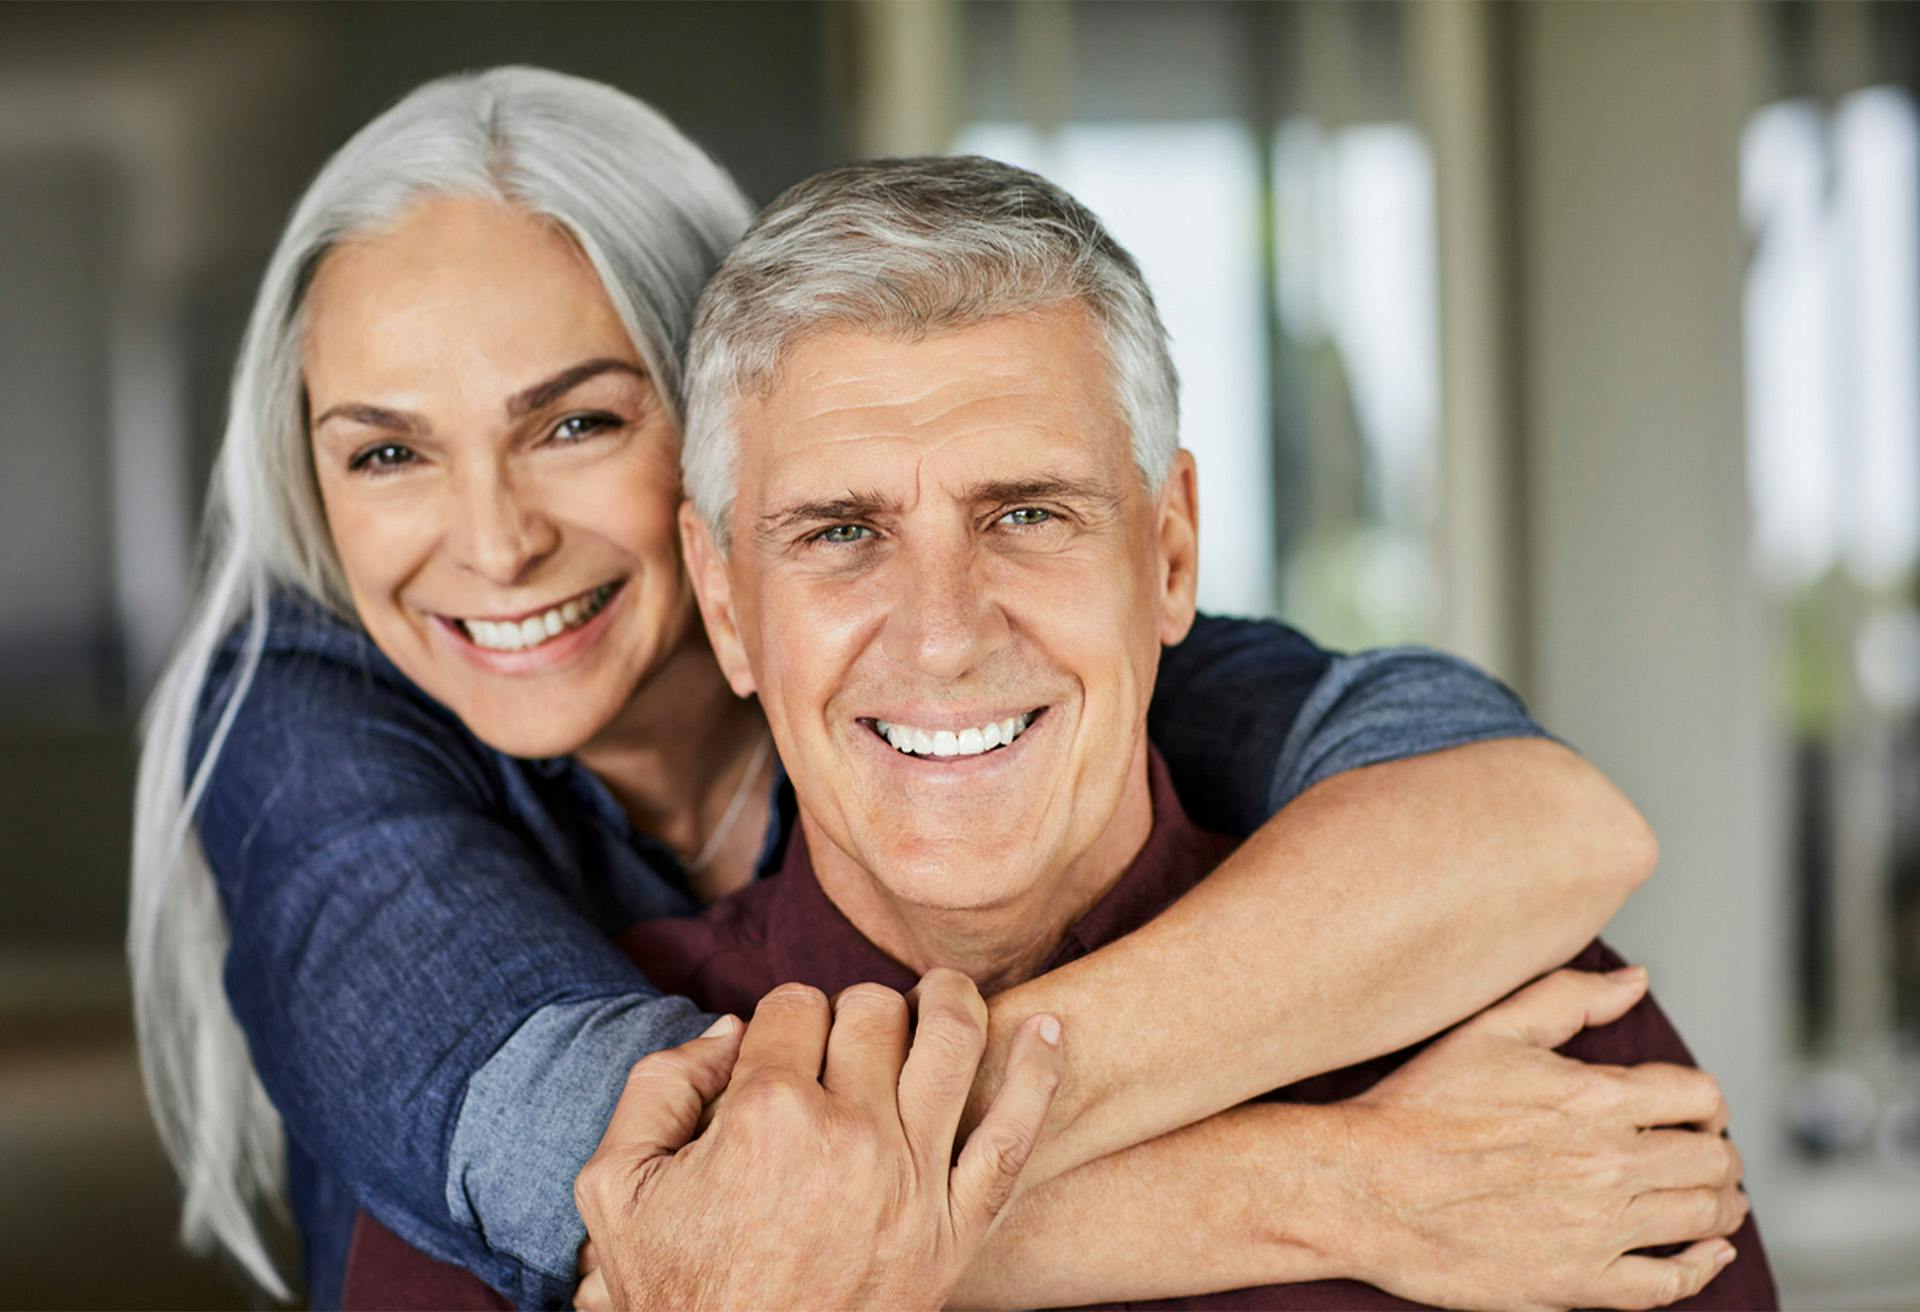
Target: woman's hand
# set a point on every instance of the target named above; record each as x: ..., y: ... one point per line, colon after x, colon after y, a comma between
x: 826, y: 1177
x: 1493, y: 1172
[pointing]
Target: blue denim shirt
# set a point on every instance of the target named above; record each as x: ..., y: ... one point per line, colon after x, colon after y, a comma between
x: 420, y: 952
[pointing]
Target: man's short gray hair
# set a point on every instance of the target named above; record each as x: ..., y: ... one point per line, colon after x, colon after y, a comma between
x: 905, y: 248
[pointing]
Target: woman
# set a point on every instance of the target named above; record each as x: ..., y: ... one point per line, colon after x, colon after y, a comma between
x: 443, y: 720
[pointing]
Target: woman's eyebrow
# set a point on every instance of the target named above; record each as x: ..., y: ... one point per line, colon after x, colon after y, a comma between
x: 525, y: 402
x: 519, y: 405
x: 373, y: 416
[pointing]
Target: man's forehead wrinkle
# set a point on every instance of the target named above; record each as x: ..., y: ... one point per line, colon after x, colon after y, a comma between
x: 864, y: 402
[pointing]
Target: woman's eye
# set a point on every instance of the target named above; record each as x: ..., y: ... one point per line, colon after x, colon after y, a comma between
x: 1027, y: 516
x: 846, y: 533
x: 381, y: 459
x: 574, y: 428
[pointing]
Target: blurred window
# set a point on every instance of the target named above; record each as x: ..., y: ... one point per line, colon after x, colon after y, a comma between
x: 1358, y: 306
x: 60, y: 653
x: 1832, y: 198
x: 1184, y: 199
x: 1291, y: 252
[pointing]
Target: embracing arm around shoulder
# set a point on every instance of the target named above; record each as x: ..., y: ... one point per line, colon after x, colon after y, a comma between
x: 1390, y: 899
x: 1488, y: 1171
x: 1384, y: 901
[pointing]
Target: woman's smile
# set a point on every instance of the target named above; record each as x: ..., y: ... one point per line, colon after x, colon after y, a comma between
x: 539, y: 641
x: 536, y: 626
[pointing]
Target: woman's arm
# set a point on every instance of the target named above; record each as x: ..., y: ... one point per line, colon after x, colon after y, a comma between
x: 1380, y: 907
x: 444, y: 1028
x: 1429, y: 851
x: 442, y: 1025
x: 1488, y: 1171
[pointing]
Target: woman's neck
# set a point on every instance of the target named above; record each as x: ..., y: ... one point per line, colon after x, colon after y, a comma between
x: 674, y: 758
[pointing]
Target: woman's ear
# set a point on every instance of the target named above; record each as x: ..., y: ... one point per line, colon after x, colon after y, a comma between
x: 1179, y: 547
x: 713, y: 589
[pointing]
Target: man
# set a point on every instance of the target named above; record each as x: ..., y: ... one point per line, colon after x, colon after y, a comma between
x: 939, y: 525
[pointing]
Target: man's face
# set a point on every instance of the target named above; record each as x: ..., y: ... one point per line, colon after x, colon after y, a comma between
x: 938, y: 546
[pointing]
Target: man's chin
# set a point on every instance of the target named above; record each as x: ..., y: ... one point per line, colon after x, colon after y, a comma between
x: 953, y: 875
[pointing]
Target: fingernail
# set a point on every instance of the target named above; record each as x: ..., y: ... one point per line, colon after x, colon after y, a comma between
x: 724, y: 1026
x: 1724, y: 1256
x: 1628, y: 974
x: 1049, y: 1030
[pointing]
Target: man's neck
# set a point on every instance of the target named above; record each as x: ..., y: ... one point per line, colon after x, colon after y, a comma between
x: 999, y: 945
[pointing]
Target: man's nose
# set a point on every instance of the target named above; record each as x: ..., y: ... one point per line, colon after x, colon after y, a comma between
x: 500, y: 531
x: 945, y: 620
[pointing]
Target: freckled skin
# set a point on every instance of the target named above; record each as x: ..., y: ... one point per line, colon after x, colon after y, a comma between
x: 461, y: 306
x: 938, y: 603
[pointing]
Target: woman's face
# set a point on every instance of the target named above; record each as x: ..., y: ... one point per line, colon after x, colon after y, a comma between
x: 500, y: 477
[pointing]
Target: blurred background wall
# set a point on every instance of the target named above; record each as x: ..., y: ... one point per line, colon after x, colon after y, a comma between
x: 1581, y: 338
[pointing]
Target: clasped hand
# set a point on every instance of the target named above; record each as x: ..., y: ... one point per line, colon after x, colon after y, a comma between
x: 827, y: 1176
x: 1493, y: 1172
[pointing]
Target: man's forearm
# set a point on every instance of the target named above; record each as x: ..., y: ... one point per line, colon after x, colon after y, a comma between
x: 1249, y: 1197
x: 1375, y: 910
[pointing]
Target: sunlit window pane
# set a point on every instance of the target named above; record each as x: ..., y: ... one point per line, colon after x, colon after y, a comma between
x: 1183, y: 197
x: 1360, y: 378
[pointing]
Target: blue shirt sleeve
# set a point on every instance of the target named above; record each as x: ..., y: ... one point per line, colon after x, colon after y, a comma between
x: 1250, y: 713
x: 393, y: 932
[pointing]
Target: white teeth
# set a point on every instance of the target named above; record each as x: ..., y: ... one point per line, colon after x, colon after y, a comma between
x: 512, y: 635
x: 947, y: 742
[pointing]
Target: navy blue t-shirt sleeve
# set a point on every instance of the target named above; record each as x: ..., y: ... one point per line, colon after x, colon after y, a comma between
x: 1250, y: 713
x: 391, y: 940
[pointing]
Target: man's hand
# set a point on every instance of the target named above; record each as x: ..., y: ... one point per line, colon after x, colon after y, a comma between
x: 827, y: 1176
x: 1495, y: 1172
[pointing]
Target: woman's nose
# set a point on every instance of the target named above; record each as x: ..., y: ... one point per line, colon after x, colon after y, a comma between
x: 500, y: 531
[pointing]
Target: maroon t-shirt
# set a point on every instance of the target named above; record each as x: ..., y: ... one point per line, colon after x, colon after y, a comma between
x: 785, y: 929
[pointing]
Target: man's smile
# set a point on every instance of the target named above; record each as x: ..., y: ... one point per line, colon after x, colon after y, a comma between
x: 969, y: 740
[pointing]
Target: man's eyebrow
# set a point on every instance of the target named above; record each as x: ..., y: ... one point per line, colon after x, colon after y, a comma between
x: 826, y: 510
x: 526, y: 401
x: 1004, y: 491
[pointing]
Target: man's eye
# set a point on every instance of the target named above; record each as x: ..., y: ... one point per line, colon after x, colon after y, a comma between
x: 381, y: 458
x: 1027, y: 516
x: 846, y: 533
x: 575, y: 428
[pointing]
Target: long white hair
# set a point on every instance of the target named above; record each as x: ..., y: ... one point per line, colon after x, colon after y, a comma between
x: 654, y: 215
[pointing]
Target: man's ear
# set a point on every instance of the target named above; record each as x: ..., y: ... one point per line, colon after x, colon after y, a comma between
x: 1179, y: 528
x: 713, y: 589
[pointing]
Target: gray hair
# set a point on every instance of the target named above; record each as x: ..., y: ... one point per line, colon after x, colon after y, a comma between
x: 653, y: 215
x: 905, y: 248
